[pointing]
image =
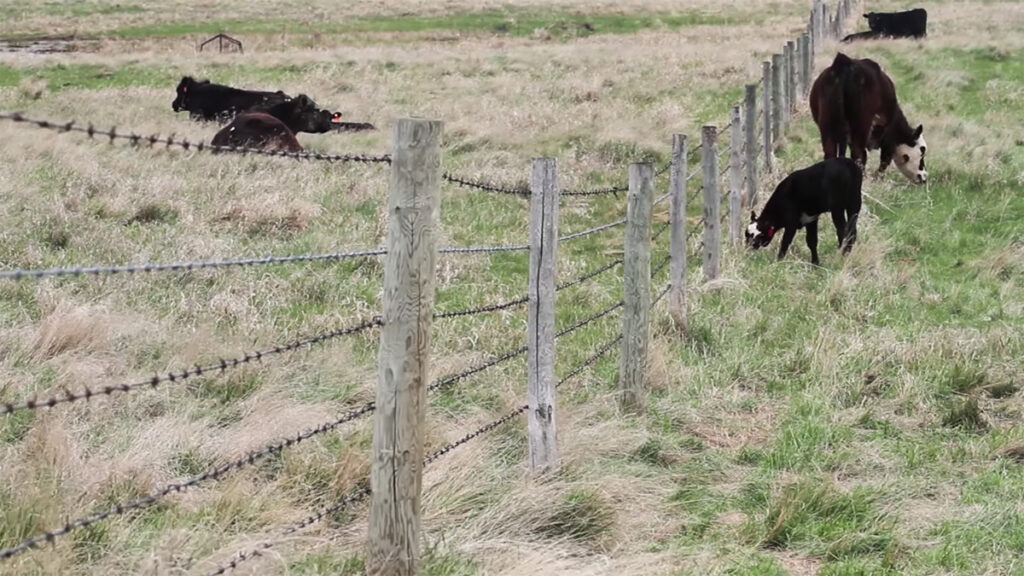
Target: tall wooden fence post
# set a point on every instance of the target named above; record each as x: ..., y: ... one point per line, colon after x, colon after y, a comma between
x: 777, y: 105
x: 766, y: 112
x: 712, y: 203
x: 750, y: 137
x: 677, y: 238
x: 540, y: 324
x: 636, y: 293
x: 735, y: 177
x: 403, y: 367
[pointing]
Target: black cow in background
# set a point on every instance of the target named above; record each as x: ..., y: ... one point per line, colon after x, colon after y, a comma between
x: 907, y: 24
x: 207, y: 101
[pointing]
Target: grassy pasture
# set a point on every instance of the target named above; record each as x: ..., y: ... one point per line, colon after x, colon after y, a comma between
x: 858, y: 418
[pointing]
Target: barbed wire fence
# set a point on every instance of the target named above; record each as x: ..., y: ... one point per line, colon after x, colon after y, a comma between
x: 756, y: 144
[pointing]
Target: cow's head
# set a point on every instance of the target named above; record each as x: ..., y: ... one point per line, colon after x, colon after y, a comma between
x: 758, y: 234
x: 909, y: 157
x: 302, y: 115
x: 186, y: 85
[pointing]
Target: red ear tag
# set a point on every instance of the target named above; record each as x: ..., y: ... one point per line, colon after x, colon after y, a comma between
x: 771, y: 230
x: 184, y: 88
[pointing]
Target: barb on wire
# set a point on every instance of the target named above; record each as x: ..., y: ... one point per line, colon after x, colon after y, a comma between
x: 222, y: 366
x: 663, y: 169
x: 593, y: 230
x: 186, y: 266
x: 588, y: 275
x: 153, y: 139
x: 483, y: 309
x: 589, y: 319
x: 481, y: 249
x: 661, y: 295
x: 50, y: 536
x: 661, y: 266
x: 477, y: 185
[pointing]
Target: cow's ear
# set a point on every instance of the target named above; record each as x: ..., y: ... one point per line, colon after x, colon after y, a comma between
x: 918, y: 131
x: 753, y: 217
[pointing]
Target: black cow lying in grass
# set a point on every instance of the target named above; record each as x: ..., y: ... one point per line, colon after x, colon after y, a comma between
x: 832, y: 185
x: 207, y: 101
x: 257, y: 130
x: 907, y: 24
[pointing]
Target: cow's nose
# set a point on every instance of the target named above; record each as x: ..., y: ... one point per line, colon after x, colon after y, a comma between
x: 922, y: 177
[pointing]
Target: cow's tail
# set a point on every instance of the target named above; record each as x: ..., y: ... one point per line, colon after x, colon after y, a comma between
x: 842, y: 68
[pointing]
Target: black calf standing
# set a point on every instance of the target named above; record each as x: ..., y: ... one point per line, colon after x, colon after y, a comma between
x: 833, y: 185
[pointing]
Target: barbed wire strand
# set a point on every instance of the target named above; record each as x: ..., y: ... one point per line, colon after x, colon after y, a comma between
x: 250, y: 458
x: 588, y: 275
x: 450, y: 379
x: 483, y: 309
x: 362, y: 492
x: 576, y: 326
x: 482, y: 249
x: 596, y: 191
x: 593, y: 230
x: 153, y: 139
x: 487, y: 187
x: 19, y: 274
x: 659, y: 231
x: 178, y: 376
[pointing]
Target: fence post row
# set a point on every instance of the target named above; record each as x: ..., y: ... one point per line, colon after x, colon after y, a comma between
x: 735, y: 177
x: 712, y: 207
x: 766, y: 112
x: 805, y: 64
x: 750, y: 139
x: 404, y: 353
x: 677, y: 235
x: 540, y: 324
x: 636, y: 292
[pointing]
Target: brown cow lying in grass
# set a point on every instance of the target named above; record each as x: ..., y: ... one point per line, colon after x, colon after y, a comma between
x: 257, y: 130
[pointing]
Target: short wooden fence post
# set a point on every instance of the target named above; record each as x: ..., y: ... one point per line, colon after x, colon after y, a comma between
x: 712, y: 203
x: 677, y: 229
x: 540, y: 323
x: 636, y: 293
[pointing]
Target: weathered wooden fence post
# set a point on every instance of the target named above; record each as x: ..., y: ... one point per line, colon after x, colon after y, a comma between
x: 403, y: 366
x: 636, y: 292
x: 766, y: 112
x: 677, y: 239
x: 790, y: 82
x: 750, y: 137
x: 712, y: 203
x: 540, y: 324
x: 777, y: 104
x: 805, y: 64
x: 735, y: 178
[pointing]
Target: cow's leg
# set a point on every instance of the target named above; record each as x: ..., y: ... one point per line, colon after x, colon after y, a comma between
x: 884, y: 159
x: 851, y: 233
x: 812, y: 240
x: 839, y: 220
x: 787, y: 239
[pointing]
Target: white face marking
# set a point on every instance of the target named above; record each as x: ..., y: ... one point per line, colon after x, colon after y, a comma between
x: 909, y: 160
x: 807, y: 219
x: 752, y: 230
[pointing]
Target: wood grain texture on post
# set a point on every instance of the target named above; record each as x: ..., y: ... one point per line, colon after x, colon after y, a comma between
x: 777, y: 104
x: 677, y: 229
x: 750, y: 146
x: 636, y: 291
x: 403, y: 358
x: 712, y: 203
x: 735, y: 178
x: 766, y: 113
x: 540, y: 324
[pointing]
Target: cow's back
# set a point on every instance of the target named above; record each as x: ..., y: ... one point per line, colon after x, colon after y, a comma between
x: 257, y: 130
